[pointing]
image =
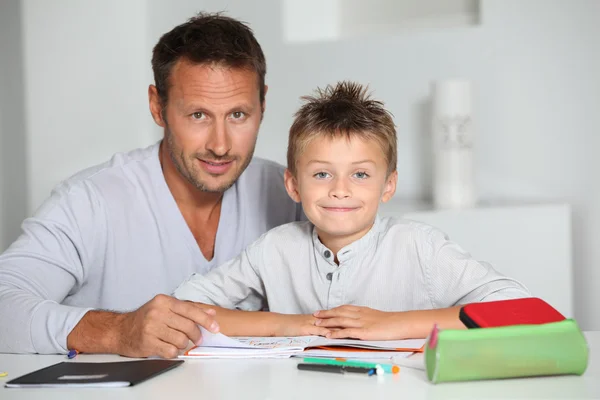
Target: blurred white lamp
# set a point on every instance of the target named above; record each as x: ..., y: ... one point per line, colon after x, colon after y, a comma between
x: 453, y: 163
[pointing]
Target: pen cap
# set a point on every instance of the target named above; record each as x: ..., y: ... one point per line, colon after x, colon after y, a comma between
x: 557, y: 348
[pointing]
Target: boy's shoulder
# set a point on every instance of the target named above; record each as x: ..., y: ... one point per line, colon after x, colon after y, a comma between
x: 393, y: 227
x: 284, y: 236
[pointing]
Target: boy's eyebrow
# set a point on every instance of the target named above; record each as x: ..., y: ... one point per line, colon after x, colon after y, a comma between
x: 354, y: 163
x: 364, y: 161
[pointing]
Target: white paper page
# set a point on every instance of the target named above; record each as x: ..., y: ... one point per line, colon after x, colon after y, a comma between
x: 412, y: 344
x: 280, y: 343
x: 224, y: 352
x: 362, y: 355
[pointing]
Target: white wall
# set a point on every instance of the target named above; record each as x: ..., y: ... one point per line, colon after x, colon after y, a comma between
x: 13, y: 185
x: 86, y: 85
x: 534, y: 64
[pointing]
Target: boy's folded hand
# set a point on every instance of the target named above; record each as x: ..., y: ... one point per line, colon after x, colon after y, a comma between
x: 298, y: 325
x: 359, y: 323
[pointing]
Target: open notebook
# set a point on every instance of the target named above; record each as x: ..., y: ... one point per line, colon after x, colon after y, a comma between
x: 221, y: 346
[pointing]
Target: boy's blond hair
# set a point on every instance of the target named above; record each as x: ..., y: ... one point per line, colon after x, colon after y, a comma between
x: 343, y: 110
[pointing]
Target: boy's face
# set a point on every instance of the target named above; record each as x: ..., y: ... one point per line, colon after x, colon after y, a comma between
x: 340, y: 183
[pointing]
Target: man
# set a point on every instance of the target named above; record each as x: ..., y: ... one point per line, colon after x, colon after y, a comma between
x: 121, y: 235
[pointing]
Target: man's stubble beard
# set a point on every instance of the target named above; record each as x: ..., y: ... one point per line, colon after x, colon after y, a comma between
x: 190, y: 173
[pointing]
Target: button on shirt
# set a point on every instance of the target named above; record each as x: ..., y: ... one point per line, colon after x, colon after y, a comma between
x: 398, y: 265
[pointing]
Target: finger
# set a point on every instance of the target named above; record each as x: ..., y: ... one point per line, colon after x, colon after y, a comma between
x: 318, y: 331
x: 173, y: 337
x: 337, y: 312
x: 350, y: 333
x: 185, y: 326
x: 339, y: 322
x: 197, y: 314
x: 165, y: 350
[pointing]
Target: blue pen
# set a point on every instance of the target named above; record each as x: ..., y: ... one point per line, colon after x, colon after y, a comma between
x: 72, y: 354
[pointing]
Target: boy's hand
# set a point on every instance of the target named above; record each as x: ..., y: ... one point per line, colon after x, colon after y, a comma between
x: 298, y: 325
x: 359, y: 323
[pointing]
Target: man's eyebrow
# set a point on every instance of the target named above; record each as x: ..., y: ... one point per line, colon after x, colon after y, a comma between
x: 248, y: 108
x: 318, y: 162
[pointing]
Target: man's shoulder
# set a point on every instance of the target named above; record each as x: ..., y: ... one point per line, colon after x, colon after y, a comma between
x: 116, y: 170
x: 260, y: 168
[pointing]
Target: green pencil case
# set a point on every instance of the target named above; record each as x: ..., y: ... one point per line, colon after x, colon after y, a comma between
x: 557, y: 348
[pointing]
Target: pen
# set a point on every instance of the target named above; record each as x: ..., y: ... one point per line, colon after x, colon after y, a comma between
x: 387, y: 368
x: 339, y: 369
x: 72, y: 354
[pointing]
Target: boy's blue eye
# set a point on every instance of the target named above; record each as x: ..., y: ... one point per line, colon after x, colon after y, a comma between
x: 321, y: 175
x: 361, y: 175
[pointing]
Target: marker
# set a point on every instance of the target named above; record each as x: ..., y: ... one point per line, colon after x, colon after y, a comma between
x: 338, y: 369
x: 72, y: 354
x: 387, y: 368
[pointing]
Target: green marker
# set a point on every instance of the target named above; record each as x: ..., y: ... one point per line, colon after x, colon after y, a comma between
x: 387, y: 368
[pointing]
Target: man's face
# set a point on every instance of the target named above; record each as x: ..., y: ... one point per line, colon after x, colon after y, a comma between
x: 211, y: 123
x: 340, y: 183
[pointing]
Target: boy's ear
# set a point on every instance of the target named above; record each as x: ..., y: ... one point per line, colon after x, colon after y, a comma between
x: 390, y: 187
x: 291, y: 185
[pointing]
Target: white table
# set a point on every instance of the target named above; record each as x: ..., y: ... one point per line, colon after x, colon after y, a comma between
x: 280, y: 379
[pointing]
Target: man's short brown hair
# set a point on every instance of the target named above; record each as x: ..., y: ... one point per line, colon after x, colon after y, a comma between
x: 343, y: 110
x: 208, y: 39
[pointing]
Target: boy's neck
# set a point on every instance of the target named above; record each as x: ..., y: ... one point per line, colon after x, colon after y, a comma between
x: 336, y: 242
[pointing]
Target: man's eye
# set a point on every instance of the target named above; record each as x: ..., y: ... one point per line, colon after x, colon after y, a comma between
x: 238, y: 115
x: 321, y: 175
x: 361, y: 175
x: 198, y: 115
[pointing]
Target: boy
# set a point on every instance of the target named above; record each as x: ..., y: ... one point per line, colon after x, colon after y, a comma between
x: 346, y: 272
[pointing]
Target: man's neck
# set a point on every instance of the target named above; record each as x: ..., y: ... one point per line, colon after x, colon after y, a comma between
x: 186, y: 195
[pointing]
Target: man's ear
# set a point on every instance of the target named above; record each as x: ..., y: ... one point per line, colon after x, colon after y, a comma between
x: 263, y: 106
x: 390, y: 187
x: 156, y: 106
x: 291, y: 185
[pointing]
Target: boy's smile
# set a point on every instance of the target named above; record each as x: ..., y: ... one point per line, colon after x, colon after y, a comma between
x: 340, y: 182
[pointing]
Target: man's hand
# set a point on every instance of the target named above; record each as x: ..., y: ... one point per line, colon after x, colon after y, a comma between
x: 161, y: 327
x: 298, y: 325
x: 359, y: 322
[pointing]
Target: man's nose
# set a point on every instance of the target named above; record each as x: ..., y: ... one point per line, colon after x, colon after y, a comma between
x: 219, y: 141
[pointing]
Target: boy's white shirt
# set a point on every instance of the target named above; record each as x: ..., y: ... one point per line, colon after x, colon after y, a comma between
x: 399, y: 265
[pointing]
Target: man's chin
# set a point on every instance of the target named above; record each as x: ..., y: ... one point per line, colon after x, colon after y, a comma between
x: 212, y: 185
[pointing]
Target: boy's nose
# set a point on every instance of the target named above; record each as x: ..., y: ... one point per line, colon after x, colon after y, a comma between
x: 340, y: 190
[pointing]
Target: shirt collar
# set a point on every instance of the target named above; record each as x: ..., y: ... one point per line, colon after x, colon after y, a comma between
x: 349, y: 251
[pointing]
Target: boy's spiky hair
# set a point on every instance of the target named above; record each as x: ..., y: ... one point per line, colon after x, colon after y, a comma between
x: 342, y: 110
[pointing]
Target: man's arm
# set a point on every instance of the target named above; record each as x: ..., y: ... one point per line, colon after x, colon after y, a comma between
x: 51, y: 260
x: 43, y: 267
x: 162, y: 327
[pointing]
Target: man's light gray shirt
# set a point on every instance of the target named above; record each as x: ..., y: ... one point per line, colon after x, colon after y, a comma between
x: 112, y: 237
x: 398, y: 265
